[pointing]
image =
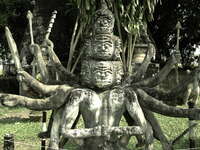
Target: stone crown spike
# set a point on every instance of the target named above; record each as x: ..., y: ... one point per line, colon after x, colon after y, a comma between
x: 104, y: 4
x: 104, y: 10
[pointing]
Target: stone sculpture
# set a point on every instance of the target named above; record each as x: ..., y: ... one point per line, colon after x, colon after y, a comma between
x: 102, y: 96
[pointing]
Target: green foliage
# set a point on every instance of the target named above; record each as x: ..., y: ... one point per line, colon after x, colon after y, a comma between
x: 166, y: 17
x: 9, y: 8
x: 85, y: 10
x: 3, y: 52
x: 130, y: 13
x: 133, y: 12
x: 11, y: 13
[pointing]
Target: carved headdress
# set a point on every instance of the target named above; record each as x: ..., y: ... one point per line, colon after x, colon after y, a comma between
x: 104, y: 19
x: 104, y: 11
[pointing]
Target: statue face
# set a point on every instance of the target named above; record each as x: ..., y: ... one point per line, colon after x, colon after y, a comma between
x: 101, y: 74
x: 103, y: 49
x: 104, y: 22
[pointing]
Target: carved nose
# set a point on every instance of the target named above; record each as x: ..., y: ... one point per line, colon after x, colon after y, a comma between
x: 101, y: 23
x: 104, y: 48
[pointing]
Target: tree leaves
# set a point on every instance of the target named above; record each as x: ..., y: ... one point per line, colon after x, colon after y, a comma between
x: 9, y: 8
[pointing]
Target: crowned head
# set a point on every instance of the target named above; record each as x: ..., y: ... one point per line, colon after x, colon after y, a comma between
x: 103, y: 20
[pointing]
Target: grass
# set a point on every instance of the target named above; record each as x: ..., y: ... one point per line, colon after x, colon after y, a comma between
x: 16, y: 121
x: 24, y: 130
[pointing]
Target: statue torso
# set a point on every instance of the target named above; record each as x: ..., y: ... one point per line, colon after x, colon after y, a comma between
x: 102, y: 108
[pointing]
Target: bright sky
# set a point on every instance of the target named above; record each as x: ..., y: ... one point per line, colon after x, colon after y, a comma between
x: 197, y: 51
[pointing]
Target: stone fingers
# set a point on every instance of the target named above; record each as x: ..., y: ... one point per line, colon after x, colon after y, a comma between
x: 9, y: 100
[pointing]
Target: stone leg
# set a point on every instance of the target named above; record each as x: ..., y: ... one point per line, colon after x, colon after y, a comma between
x: 55, y: 130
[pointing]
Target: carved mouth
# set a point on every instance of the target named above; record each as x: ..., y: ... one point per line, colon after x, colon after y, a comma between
x: 103, y: 30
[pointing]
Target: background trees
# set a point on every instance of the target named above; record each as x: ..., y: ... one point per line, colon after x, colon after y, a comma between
x: 161, y: 28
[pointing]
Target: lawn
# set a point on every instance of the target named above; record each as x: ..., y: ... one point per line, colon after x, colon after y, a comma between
x: 16, y: 121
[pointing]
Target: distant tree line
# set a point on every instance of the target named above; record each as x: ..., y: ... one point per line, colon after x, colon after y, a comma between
x: 162, y: 28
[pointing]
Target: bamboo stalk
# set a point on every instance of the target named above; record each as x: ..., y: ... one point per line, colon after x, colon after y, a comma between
x: 71, y: 52
x: 133, y: 45
x: 76, y: 62
x: 130, y: 39
x: 78, y: 36
x: 125, y: 61
x: 120, y: 35
x: 130, y: 52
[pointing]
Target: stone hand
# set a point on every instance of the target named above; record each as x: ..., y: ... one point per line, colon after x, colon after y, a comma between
x: 194, y: 114
x: 21, y: 75
x: 8, y: 100
x: 102, y: 130
x: 47, y: 43
x: 34, y: 48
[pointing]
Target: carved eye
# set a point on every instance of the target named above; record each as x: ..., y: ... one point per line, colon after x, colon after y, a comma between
x: 109, y: 19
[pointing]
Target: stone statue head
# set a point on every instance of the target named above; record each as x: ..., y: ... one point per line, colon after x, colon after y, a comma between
x: 101, y: 74
x: 103, y: 20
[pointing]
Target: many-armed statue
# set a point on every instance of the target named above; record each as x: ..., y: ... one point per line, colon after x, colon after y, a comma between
x: 102, y: 96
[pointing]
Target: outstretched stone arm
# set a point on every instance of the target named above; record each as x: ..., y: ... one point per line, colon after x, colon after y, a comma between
x: 159, y: 77
x: 179, y: 95
x: 166, y: 97
x: 103, y: 131
x: 52, y: 102
x: 159, y: 107
x: 37, y: 85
